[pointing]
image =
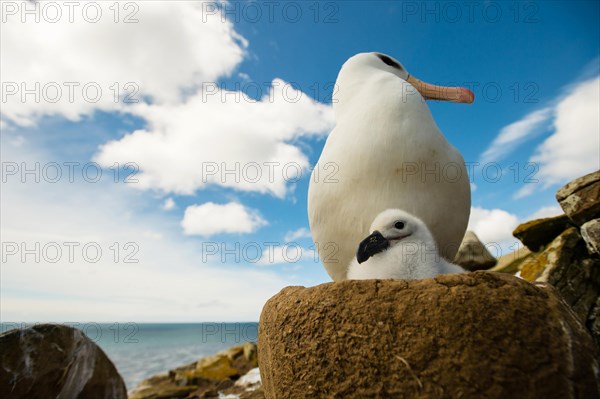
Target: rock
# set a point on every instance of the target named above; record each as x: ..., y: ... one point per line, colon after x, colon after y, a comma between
x: 510, y: 263
x: 55, y: 361
x: 580, y: 199
x: 242, y: 393
x: 247, y: 386
x: 566, y: 256
x: 566, y: 265
x: 161, y: 387
x: 246, y: 359
x: 205, y: 378
x: 537, y: 233
x: 561, y: 250
x: 234, y: 361
x: 233, y: 352
x: 593, y: 323
x: 251, y: 353
x: 216, y: 367
x: 472, y: 335
x: 212, y: 392
x: 473, y: 255
x: 590, y: 231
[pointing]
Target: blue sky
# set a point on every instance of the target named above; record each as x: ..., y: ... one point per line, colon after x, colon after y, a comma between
x: 533, y: 66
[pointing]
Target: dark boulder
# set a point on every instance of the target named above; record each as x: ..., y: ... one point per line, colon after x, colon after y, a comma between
x: 55, y: 361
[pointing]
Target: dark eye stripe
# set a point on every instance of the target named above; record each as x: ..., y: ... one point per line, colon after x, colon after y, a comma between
x: 387, y: 60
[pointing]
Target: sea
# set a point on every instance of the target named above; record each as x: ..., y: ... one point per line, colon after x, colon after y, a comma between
x: 141, y: 350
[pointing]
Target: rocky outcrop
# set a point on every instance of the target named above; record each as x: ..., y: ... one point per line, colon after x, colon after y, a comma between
x: 55, y: 361
x: 565, y: 249
x: 473, y: 335
x: 511, y: 263
x: 161, y: 386
x: 249, y: 386
x: 230, y: 372
x: 473, y: 255
x: 590, y: 231
x: 566, y: 265
x: 580, y: 198
x: 537, y: 233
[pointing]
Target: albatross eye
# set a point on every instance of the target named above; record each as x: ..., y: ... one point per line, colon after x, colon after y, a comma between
x: 388, y: 61
x: 399, y: 225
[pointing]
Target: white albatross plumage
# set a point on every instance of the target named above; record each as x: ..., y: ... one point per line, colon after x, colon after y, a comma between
x: 385, y: 151
x: 410, y: 251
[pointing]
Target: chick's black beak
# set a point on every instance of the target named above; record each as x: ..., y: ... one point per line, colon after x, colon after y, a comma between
x: 371, y: 245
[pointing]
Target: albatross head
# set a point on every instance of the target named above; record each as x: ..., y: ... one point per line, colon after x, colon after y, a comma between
x: 391, y: 228
x: 359, y: 68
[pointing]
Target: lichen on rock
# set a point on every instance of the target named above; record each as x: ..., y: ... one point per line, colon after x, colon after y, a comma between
x: 210, y: 377
x: 535, y: 234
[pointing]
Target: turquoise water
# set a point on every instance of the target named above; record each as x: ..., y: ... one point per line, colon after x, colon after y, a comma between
x: 141, y: 350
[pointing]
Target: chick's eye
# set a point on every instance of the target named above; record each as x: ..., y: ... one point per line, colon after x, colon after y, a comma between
x: 399, y: 225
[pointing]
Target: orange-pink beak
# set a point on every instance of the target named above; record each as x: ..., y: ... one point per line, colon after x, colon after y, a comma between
x: 442, y: 93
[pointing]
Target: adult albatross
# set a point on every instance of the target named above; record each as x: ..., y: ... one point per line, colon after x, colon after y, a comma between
x: 385, y: 151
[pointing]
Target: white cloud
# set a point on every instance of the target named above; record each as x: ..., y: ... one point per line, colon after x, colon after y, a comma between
x: 289, y: 253
x: 302, y: 232
x: 545, y: 212
x: 516, y: 133
x: 492, y: 225
x: 524, y: 191
x: 169, y: 204
x: 210, y: 218
x: 222, y: 138
x: 155, y: 235
x: 171, y: 58
x: 167, y: 55
x: 574, y: 147
x: 172, y: 282
x: 173, y: 46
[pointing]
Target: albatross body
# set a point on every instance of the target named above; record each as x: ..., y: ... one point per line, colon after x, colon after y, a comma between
x: 385, y: 151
